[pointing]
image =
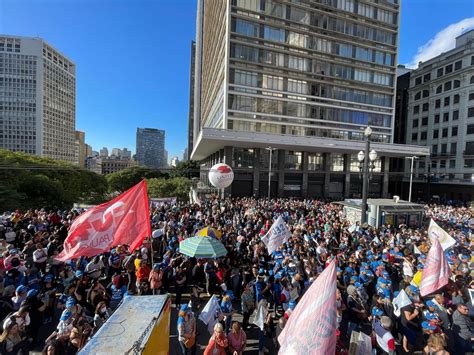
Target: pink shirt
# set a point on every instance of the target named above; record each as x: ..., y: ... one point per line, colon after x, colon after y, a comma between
x: 237, y: 341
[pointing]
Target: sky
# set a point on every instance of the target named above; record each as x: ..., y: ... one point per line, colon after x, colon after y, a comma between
x: 133, y: 56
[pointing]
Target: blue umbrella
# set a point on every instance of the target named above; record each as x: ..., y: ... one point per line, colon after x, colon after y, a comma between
x: 202, y: 247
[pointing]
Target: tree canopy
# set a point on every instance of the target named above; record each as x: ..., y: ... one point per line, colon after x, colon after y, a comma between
x: 174, y: 187
x: 123, y: 180
x: 28, y: 181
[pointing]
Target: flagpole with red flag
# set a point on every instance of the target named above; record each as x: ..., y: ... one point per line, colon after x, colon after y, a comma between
x: 123, y: 220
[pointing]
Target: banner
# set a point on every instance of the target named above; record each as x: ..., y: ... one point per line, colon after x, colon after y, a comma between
x: 400, y: 301
x: 416, y: 250
x: 260, y: 314
x: 436, y: 232
x: 436, y: 272
x: 360, y: 344
x: 277, y: 235
x: 159, y: 202
x: 124, y: 220
x: 210, y: 313
x: 311, y: 328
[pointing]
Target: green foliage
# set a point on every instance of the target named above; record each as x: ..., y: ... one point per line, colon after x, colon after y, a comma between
x: 188, y: 169
x: 28, y: 181
x: 125, y: 179
x: 173, y: 187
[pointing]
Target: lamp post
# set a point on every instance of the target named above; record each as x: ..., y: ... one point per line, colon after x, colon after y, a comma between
x: 270, y: 149
x: 364, y: 158
x: 411, y: 175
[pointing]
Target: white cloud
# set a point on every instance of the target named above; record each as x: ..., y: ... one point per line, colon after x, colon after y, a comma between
x: 443, y: 41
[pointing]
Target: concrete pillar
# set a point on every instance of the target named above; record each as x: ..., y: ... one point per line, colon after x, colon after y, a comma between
x: 256, y: 172
x: 281, y: 172
x: 386, y: 168
x: 304, y: 182
x: 327, y: 177
x: 347, y: 175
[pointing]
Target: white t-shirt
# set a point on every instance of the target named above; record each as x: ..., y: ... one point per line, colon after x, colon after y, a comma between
x: 407, y: 269
x: 40, y: 255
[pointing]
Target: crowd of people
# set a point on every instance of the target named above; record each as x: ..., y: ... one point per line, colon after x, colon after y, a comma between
x: 73, y: 300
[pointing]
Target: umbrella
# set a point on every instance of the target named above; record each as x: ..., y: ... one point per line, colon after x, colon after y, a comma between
x: 202, y: 247
x: 209, y: 232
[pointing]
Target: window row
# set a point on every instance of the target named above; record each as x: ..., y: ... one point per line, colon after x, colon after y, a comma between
x: 286, y: 108
x: 448, y: 86
x: 255, y: 30
x: 290, y: 61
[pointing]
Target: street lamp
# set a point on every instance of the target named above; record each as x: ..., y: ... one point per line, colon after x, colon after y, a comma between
x: 411, y: 175
x: 364, y: 158
x: 270, y: 149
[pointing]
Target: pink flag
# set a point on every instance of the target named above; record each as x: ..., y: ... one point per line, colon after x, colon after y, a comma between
x: 436, y: 272
x: 124, y: 220
x: 311, y: 328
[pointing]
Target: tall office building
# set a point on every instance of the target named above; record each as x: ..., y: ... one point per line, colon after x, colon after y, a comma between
x: 302, y: 77
x: 441, y: 117
x: 37, y: 99
x: 104, y: 153
x: 191, y: 102
x: 150, y: 147
x: 81, y: 148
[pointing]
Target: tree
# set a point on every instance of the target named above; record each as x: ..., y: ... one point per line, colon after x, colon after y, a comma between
x: 125, y: 179
x: 175, y: 187
x: 188, y: 169
x: 29, y: 181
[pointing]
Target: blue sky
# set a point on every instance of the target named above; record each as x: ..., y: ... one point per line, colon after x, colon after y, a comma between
x: 132, y: 56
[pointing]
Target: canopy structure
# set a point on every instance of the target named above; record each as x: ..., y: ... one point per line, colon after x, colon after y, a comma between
x: 202, y: 247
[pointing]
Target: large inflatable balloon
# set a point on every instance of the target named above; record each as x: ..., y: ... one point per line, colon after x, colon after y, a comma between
x: 221, y: 176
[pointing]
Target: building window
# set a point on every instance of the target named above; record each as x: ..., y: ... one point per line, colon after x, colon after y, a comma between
x: 452, y: 164
x: 442, y: 164
x: 447, y: 86
x: 456, y: 99
x: 455, y: 115
x: 446, y: 117
x: 471, y: 96
x: 423, y: 136
x: 446, y: 101
x: 424, y: 121
x: 470, y: 129
x: 246, y: 28
x: 438, y: 103
x: 425, y: 107
x: 427, y: 77
x: 458, y: 65
x: 439, y: 89
x: 274, y: 34
x: 414, y: 137
x: 454, y: 148
x: 416, y: 109
x: 434, y: 149
x: 415, y: 123
x: 456, y: 84
x: 426, y: 93
x: 435, y: 133
x: 470, y: 112
x: 469, y: 163
x: 337, y: 162
x: 454, y: 131
x: 418, y: 95
x: 418, y: 80
x: 243, y: 158
x: 449, y: 68
x: 469, y: 148
x: 315, y: 162
x: 434, y: 164
x: 472, y: 80
x: 293, y: 160
x: 445, y: 132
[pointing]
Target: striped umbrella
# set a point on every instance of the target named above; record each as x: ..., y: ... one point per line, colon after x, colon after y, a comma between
x: 202, y: 247
x: 209, y: 232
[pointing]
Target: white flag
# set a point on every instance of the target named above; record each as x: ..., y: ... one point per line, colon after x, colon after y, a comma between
x: 400, y: 301
x: 376, y: 240
x: 260, y: 314
x: 416, y: 250
x: 277, y: 235
x: 210, y: 313
x: 436, y: 272
x: 436, y: 232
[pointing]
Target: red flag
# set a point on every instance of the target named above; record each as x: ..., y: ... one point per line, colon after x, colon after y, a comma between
x: 436, y: 272
x: 124, y: 220
x: 311, y: 328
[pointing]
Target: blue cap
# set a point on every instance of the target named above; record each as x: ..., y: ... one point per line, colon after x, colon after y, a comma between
x: 338, y: 269
x: 349, y: 269
x: 427, y: 326
x: 48, y: 278
x: 292, y: 304
x: 113, y: 251
x: 395, y: 294
x: 156, y: 265
x: 385, y: 274
x: 420, y: 266
x: 13, y: 251
x: 377, y: 311
x: 358, y: 284
x: 422, y: 256
x: 71, y: 301
x: 413, y: 288
x: 32, y: 293
x: 79, y: 273
x: 230, y: 294
x: 431, y: 316
x: 21, y: 289
x: 354, y: 278
x: 430, y: 303
x: 66, y: 315
x: 184, y: 307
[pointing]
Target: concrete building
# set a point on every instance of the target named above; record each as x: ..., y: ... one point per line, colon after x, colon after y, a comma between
x: 116, y: 153
x: 185, y: 155
x: 165, y: 159
x: 150, y: 148
x: 94, y: 163
x: 126, y: 154
x: 174, y: 162
x: 191, y: 102
x: 304, y: 78
x: 89, y: 151
x: 104, y: 153
x: 81, y: 149
x: 441, y: 117
x: 112, y: 165
x: 38, y: 99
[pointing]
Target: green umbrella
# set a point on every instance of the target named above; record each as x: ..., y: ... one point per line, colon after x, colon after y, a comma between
x: 202, y: 247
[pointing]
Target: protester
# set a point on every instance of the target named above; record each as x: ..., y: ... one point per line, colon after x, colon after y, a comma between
x: 218, y: 342
x: 237, y: 339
